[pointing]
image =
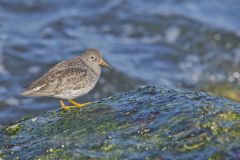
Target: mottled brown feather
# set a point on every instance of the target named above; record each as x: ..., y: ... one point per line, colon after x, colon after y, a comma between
x: 67, y: 72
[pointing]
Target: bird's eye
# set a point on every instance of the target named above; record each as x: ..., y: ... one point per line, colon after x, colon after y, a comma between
x: 93, y: 58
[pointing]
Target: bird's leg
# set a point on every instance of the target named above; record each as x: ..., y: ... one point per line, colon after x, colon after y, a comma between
x: 78, y: 105
x: 64, y: 107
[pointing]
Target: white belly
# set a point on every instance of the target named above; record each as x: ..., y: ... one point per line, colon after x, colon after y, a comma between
x: 72, y: 94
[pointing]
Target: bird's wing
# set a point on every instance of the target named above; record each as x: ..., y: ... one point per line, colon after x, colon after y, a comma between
x: 50, y: 83
x: 55, y: 81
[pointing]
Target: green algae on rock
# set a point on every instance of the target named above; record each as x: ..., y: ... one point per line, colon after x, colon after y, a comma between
x: 12, y: 130
x: 223, y: 89
x: 147, y: 123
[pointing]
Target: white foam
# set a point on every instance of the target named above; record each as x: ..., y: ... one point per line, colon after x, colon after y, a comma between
x: 12, y: 101
x: 172, y: 34
x: 34, y: 69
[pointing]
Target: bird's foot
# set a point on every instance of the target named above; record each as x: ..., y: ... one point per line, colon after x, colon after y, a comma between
x: 64, y: 107
x: 78, y: 105
x: 67, y: 108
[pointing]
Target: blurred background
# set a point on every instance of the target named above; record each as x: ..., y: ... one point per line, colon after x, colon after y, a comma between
x: 180, y: 44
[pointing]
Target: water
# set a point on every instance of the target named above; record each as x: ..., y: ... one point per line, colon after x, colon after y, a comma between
x: 173, y: 43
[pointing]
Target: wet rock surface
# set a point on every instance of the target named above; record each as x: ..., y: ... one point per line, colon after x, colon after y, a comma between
x: 147, y: 123
x: 180, y: 44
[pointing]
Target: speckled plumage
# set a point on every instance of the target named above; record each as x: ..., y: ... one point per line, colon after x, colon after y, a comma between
x: 69, y: 79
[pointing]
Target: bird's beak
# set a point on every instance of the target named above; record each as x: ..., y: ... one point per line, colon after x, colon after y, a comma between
x: 103, y: 63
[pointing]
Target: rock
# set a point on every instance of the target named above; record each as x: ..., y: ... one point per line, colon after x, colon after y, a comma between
x: 223, y: 89
x: 147, y: 123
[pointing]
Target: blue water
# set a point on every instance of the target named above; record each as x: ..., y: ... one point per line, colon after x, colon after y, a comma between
x: 179, y: 44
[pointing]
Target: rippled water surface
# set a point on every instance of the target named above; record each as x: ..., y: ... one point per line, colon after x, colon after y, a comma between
x: 174, y: 43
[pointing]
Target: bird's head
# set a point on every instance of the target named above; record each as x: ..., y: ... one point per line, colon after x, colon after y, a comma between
x: 93, y: 58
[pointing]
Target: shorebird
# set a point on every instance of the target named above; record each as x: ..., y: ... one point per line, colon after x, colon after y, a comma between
x: 69, y: 79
